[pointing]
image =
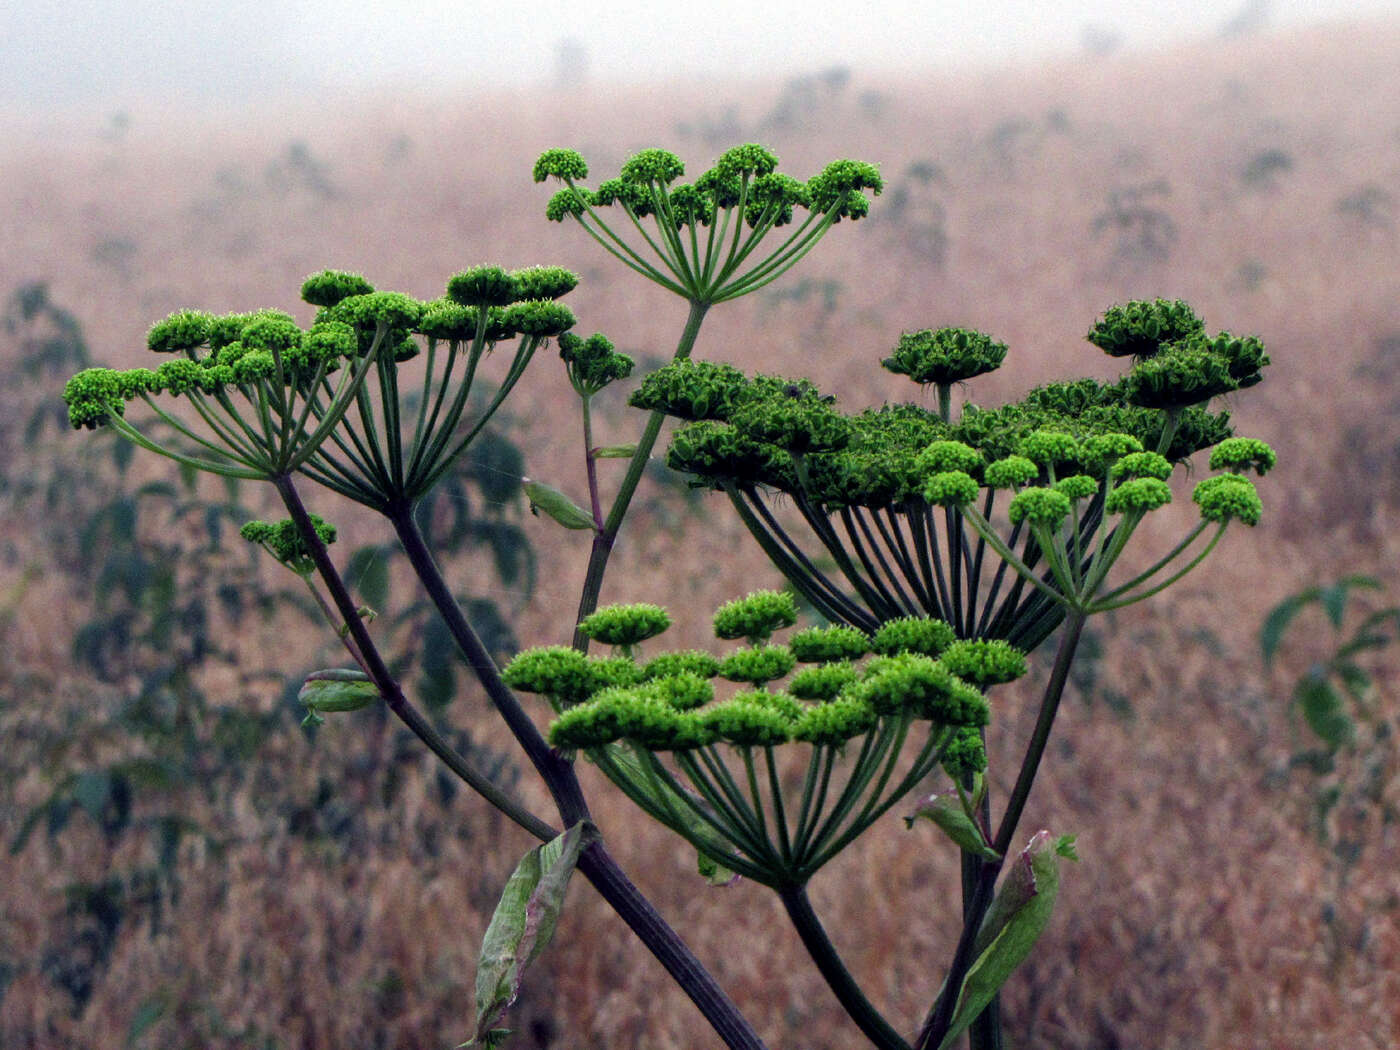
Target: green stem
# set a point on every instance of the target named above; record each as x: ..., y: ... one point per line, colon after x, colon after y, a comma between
x: 388, y: 687
x: 838, y: 978
x: 604, y: 539
x: 940, y: 1017
x: 558, y: 775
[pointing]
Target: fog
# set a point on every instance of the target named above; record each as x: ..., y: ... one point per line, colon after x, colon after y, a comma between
x: 122, y: 54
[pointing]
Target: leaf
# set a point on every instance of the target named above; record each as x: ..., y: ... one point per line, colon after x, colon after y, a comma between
x: 337, y: 689
x: 522, y: 926
x: 147, y: 1014
x: 615, y: 452
x: 1334, y: 598
x: 946, y: 810
x: 558, y: 506
x: 1322, y: 710
x: 1014, y: 922
x: 368, y: 570
x: 1276, y: 623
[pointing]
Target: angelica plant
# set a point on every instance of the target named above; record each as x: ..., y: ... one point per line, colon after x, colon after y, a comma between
x: 961, y: 542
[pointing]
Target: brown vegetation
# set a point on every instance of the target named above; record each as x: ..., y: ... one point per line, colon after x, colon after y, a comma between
x: 1207, y: 911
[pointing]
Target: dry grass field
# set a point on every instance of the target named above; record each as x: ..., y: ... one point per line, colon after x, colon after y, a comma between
x: 343, y: 901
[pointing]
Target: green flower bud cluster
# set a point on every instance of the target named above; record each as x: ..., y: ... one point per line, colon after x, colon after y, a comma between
x: 889, y: 456
x: 668, y: 703
x: 1140, y: 329
x: 1239, y: 455
x: 1194, y: 370
x: 945, y: 356
x: 284, y: 542
x: 625, y: 625
x: 742, y: 176
x: 756, y: 617
x: 592, y: 363
x: 1228, y: 497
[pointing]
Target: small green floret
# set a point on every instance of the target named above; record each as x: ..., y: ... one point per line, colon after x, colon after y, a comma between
x: 595, y: 723
x: 758, y: 665
x: 182, y: 331
x: 1102, y: 450
x: 1228, y: 496
x: 545, y: 282
x: 948, y: 455
x: 564, y: 204
x: 1138, y: 496
x: 625, y: 625
x: 1141, y: 328
x: 284, y: 542
x: 964, y: 755
x: 1078, y: 486
x: 329, y: 287
x: 829, y: 644
x: 592, y: 363
x: 652, y: 165
x: 1051, y: 447
x: 984, y: 661
x: 483, y: 286
x: 833, y: 724
x: 952, y: 488
x: 745, y: 724
x: 1011, y: 472
x: 945, y: 356
x: 541, y: 319
x: 566, y: 164
x: 837, y: 188
x: 912, y: 634
x: 915, y: 684
x: 93, y: 397
x: 556, y: 671
x: 756, y: 616
x: 1039, y: 506
x: 1239, y: 454
x: 390, y: 309
x: 692, y: 661
x: 824, y: 682
x: 1142, y: 465
x: 748, y: 159
x: 683, y: 691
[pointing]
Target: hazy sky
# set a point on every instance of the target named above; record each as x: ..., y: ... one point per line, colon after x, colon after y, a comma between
x: 119, y: 52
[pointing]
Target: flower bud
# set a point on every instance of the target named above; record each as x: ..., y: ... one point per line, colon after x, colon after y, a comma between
x: 625, y: 625
x: 563, y: 164
x: 755, y: 616
x: 1139, y: 495
x: 912, y: 634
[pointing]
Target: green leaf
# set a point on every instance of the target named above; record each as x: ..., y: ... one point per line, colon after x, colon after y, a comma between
x: 1322, y: 710
x: 1014, y: 922
x: 336, y: 689
x: 147, y: 1014
x: 1276, y: 623
x: 558, y: 506
x: 1334, y: 598
x: 615, y: 452
x: 946, y: 810
x: 522, y: 926
x: 368, y: 571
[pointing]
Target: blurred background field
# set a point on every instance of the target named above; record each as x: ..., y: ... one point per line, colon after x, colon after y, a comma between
x: 183, y: 866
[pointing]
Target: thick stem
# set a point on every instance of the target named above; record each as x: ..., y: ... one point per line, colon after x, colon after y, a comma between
x: 940, y: 1017
x: 374, y: 666
x: 823, y: 953
x: 604, y: 539
x: 599, y: 867
x: 558, y: 774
